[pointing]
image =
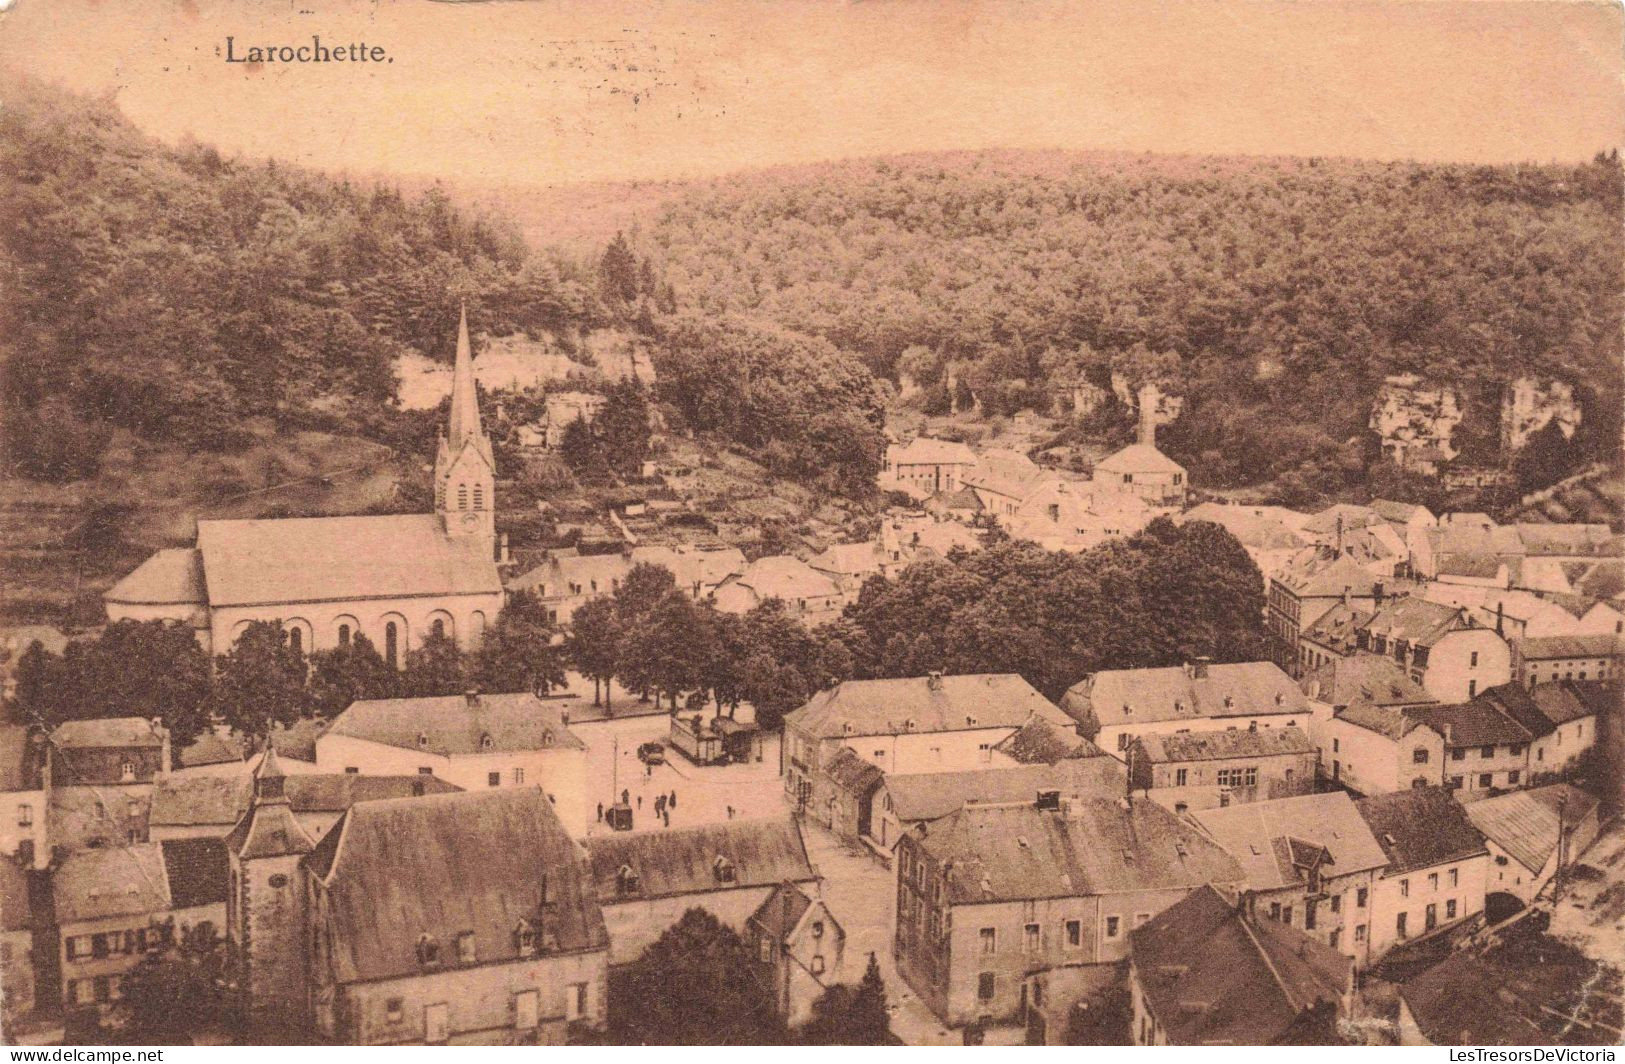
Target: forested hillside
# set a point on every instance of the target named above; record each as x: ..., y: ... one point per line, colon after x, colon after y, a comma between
x: 175, y: 293
x: 1273, y: 294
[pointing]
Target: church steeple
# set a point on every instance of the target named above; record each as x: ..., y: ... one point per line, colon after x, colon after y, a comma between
x: 465, y: 403
x: 464, y: 467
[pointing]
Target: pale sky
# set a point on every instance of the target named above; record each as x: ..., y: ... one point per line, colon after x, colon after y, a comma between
x: 545, y: 91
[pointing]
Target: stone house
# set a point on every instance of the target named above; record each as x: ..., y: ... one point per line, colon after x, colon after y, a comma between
x: 16, y: 944
x: 22, y: 796
x: 925, y: 466
x: 1202, y: 770
x: 1437, y: 867
x: 1140, y: 469
x: 800, y: 948
x: 1549, y: 659
x: 1531, y: 834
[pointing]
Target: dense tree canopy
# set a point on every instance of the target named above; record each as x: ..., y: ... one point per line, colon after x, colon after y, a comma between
x: 696, y: 985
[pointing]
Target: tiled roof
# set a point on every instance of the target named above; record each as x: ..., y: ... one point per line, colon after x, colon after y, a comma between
x: 209, y: 748
x: 451, y: 725
x: 173, y: 576
x: 1215, y: 745
x: 706, y: 566
x: 925, y: 450
x: 568, y: 573
x: 1138, y: 458
x: 109, y: 732
x: 298, y: 740
x: 1250, y: 831
x: 1352, y: 515
x: 222, y: 800
x: 1041, y: 740
x: 1005, y: 473
x: 1401, y: 512
x: 1475, y: 723
x: 447, y: 864
x: 681, y: 861
x: 1557, y: 647
x: 197, y: 871
x: 1417, y: 621
x: 783, y: 577
x: 1324, y: 577
x: 1129, y: 696
x: 850, y: 772
x: 1336, y: 627
x: 931, y: 795
x: 1525, y: 824
x: 1567, y: 540
x: 114, y: 881
x: 1384, y: 720
x: 1420, y: 827
x: 957, y: 703
x: 1481, y: 566
x: 1249, y: 529
x: 1212, y: 976
x: 1370, y: 678
x: 1097, y: 846
x: 313, y: 559
x: 782, y: 911
x: 849, y: 559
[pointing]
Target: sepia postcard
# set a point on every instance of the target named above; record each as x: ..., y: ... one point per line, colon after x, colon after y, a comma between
x: 806, y: 522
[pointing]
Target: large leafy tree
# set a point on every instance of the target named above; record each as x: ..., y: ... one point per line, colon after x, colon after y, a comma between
x: 693, y: 986
x: 521, y: 651
x: 593, y: 645
x: 350, y: 673
x: 434, y: 668
x: 260, y: 681
x: 848, y: 1015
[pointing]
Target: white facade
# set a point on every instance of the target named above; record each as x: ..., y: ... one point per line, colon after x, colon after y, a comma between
x: 948, y: 751
x: 1114, y: 738
x: 1427, y: 898
x: 1372, y: 763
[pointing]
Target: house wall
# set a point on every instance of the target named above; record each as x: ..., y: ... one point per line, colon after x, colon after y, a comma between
x: 1551, y: 753
x: 1279, y: 776
x: 1390, y: 898
x: 1339, y: 916
x: 635, y: 924
x: 1454, y: 674
x: 1114, y: 738
x: 1145, y: 1029
x: 1506, y: 876
x: 1467, y: 767
x: 103, y: 766
x: 22, y: 819
x: 560, y: 771
x: 481, y: 1003
x: 79, y: 975
x: 1371, y: 763
x: 1548, y: 670
x: 16, y: 974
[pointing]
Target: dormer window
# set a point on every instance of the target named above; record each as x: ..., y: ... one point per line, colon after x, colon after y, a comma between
x: 486, y: 742
x: 126, y: 771
x: 547, y: 737
x: 626, y: 881
x: 723, y: 869
x: 465, y: 947
x: 428, y: 950
x: 1280, y: 699
x: 1229, y: 702
x: 524, y: 936
x: 423, y: 738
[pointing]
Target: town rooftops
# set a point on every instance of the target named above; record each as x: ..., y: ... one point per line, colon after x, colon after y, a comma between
x: 210, y: 748
x: 1212, y: 976
x: 1218, y: 745
x: 458, y: 724
x: 1091, y: 846
x: 1004, y: 472
x: 197, y: 871
x: 781, y: 913
x: 704, y: 566
x: 1349, y: 515
x: 450, y: 864
x: 1420, y: 827
x: 1400, y: 512
x: 1475, y: 566
x: 923, y: 704
x: 1268, y: 838
x: 1560, y: 647
x: 1525, y: 823
x: 931, y: 795
x: 1475, y: 723
x: 1373, y: 679
x: 1416, y: 621
x: 1249, y: 528
x: 222, y: 800
x: 1325, y: 577
x: 1569, y: 700
x: 926, y: 450
x: 1183, y: 692
x: 1138, y: 458
x: 1043, y: 741
x: 1567, y: 540
x: 1388, y: 721
x: 568, y: 573
x: 112, y: 732
x: 172, y: 576
x: 321, y: 559
x: 129, y: 880
x: 1337, y: 629
x: 849, y: 559
x: 668, y: 863
x: 784, y: 577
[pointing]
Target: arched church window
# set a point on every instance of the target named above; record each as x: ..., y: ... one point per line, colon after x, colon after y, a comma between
x: 479, y: 497
x: 296, y: 640
x: 392, y: 644
x: 438, y: 628
x: 344, y: 635
x: 462, y: 496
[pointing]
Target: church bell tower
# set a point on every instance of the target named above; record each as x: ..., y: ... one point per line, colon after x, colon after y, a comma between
x: 464, y: 470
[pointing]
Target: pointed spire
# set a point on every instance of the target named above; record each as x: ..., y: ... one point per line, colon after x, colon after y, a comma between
x: 269, y: 779
x: 465, y: 403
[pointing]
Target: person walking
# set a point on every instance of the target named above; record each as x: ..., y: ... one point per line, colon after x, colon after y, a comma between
x: 672, y: 801
x: 640, y: 801
x: 600, y: 812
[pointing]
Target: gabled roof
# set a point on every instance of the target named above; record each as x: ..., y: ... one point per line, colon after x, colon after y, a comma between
x: 1005, y: 473
x: 782, y: 912
x: 1128, y: 696
x: 1353, y: 516
x: 447, y: 864
x: 920, y: 704
x: 931, y: 795
x: 1249, y: 833
x: 849, y: 559
x: 565, y: 572
x: 323, y: 559
x: 1569, y: 700
x: 197, y: 871
x: 109, y: 732
x: 1475, y: 723
x: 1567, y: 540
x: 850, y: 772
x: 1214, y: 745
x: 454, y: 724
x: 1417, y: 621
x: 1249, y: 528
x: 1373, y: 679
x: 676, y: 862
x: 1525, y: 823
x: 1420, y: 827
x: 1326, y: 577
x: 1212, y: 976
x: 114, y: 881
x: 222, y: 800
x: 172, y: 576
x: 1138, y: 458
x: 210, y: 748
x: 1386, y: 721
x: 1400, y: 512
x: 1558, y: 647
x: 925, y: 450
x: 1043, y: 741
x: 783, y: 577
x: 1095, y: 846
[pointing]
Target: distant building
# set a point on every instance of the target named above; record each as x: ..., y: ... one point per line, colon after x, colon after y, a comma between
x: 1302, y: 595
x: 1531, y: 834
x: 22, y: 796
x: 1205, y: 972
x: 1204, y: 770
x: 474, y: 741
x: 16, y: 944
x: 111, y: 752
x: 1001, y: 908
x: 1114, y: 706
x: 1484, y: 747
x: 1140, y: 469
x: 808, y: 594
x: 1003, y: 480
x: 1443, y: 648
x: 1437, y: 870
x: 800, y: 947
x: 926, y: 466
x: 645, y: 881
x: 210, y: 806
x: 1580, y: 657
x: 1310, y: 862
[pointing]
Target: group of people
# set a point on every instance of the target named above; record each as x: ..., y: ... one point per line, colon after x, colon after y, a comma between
x: 663, y: 805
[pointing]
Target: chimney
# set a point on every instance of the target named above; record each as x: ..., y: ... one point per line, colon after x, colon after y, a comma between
x: 933, y: 680
x: 472, y: 695
x: 164, y: 751
x: 1148, y: 415
x: 1339, y: 535
x: 1500, y: 619
x: 1346, y: 589
x: 417, y: 788
x: 1449, y: 734
x: 1199, y: 667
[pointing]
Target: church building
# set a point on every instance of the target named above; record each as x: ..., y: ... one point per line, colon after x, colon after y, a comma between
x: 393, y: 578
